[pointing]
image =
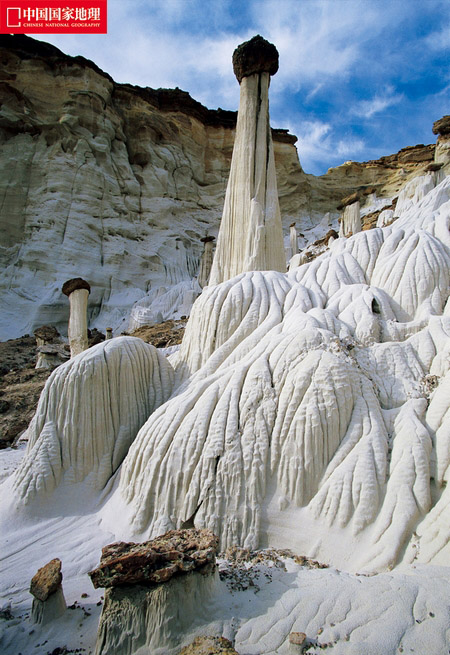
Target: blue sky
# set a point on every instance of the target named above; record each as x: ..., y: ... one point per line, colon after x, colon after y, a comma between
x: 358, y: 79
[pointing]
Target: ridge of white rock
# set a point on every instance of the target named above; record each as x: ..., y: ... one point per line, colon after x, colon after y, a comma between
x: 304, y: 398
x: 299, y: 399
x: 88, y: 415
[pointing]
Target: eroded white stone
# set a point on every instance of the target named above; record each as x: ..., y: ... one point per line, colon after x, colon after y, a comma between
x: 250, y: 236
x: 89, y: 413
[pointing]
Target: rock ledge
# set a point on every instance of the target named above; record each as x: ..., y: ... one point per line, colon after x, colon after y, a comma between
x: 155, y: 561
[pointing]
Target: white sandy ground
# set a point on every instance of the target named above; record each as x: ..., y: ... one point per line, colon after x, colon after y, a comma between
x: 402, y: 611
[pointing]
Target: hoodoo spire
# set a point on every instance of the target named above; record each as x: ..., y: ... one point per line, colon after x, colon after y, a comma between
x: 250, y: 236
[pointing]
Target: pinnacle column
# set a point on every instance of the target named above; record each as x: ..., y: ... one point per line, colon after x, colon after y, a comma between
x: 250, y: 236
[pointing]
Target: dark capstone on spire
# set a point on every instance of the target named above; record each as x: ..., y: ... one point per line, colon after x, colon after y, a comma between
x: 255, y: 56
x: 74, y: 284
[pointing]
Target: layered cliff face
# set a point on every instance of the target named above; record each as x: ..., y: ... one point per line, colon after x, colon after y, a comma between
x: 118, y: 184
x: 107, y: 181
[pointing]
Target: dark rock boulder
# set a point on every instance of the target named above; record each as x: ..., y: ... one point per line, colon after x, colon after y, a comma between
x: 155, y: 561
x: 255, y: 56
x: 47, y: 580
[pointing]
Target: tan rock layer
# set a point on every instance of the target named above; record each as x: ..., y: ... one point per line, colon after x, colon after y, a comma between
x: 442, y: 126
x: 209, y: 646
x: 47, y: 580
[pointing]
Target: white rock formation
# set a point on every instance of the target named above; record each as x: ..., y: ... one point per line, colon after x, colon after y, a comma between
x: 206, y: 261
x: 164, y: 303
x: 151, y: 619
x: 46, y: 611
x: 299, y: 415
x: 89, y: 413
x: 77, y: 291
x: 250, y: 236
x: 294, y: 397
x: 293, y: 239
x: 122, y: 182
x: 300, y: 398
x: 351, y: 220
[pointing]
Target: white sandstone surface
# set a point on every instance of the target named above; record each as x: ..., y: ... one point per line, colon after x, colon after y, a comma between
x: 351, y: 220
x: 257, y: 608
x: 150, y: 619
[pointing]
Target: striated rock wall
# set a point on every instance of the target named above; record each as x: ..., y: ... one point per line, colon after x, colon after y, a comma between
x: 117, y: 184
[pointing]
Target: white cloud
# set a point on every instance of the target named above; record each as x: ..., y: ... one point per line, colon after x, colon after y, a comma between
x: 154, y: 45
x: 319, y: 146
x: 319, y: 39
x: 322, y: 43
x: 377, y: 104
x: 439, y: 40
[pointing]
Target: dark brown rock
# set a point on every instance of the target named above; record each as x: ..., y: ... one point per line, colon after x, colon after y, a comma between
x: 442, y: 126
x: 283, y: 136
x: 155, y: 561
x: 47, y: 580
x: 255, y: 56
x: 47, y: 333
x: 95, y: 337
x: 330, y: 234
x: 209, y: 646
x: 162, y: 335
x: 348, y: 200
x: 434, y: 166
x: 74, y: 284
x: 367, y: 190
x: 207, y: 239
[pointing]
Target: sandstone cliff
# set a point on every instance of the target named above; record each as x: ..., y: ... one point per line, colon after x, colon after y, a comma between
x: 117, y: 184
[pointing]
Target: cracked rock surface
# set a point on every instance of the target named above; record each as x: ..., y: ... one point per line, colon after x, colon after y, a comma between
x: 155, y: 561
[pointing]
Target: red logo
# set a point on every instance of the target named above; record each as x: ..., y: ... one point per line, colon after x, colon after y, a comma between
x: 53, y: 16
